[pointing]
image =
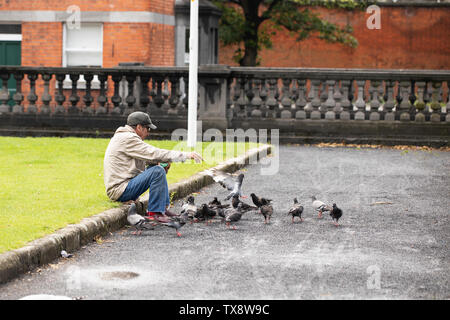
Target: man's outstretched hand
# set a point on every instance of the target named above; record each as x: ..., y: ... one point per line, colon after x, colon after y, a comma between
x: 195, y: 156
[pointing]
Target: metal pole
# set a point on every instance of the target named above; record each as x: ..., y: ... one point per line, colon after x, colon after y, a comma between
x: 193, y: 75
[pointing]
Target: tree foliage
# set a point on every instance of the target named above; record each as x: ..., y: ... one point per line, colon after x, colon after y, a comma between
x: 242, y: 23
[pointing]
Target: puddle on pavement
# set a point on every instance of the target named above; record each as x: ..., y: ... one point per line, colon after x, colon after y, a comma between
x: 118, y: 275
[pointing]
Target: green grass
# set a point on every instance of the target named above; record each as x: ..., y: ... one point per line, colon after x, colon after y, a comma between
x: 47, y: 183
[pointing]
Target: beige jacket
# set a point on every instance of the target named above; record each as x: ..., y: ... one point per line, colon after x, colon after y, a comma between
x: 127, y: 156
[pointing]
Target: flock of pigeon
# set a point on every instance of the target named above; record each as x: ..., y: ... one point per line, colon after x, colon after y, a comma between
x: 230, y: 213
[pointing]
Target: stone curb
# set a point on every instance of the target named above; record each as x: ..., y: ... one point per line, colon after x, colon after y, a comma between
x: 71, y: 238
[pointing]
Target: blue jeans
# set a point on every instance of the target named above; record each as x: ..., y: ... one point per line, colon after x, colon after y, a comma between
x: 154, y: 179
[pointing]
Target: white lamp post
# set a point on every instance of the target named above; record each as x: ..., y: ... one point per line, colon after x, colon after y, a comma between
x: 193, y: 75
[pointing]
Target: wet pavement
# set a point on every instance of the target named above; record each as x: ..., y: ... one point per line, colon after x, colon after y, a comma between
x: 393, y: 242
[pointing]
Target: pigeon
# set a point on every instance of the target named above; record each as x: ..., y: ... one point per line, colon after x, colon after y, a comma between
x: 266, y: 210
x: 227, y: 181
x: 257, y: 201
x: 190, y: 208
x: 335, y: 214
x: 207, y: 212
x: 233, y: 215
x: 319, y: 206
x: 177, y: 222
x: 215, y: 203
x: 245, y: 207
x: 66, y: 255
x: 296, y: 210
x: 138, y: 221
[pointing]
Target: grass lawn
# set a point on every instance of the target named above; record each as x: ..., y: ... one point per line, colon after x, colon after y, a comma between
x: 47, y: 183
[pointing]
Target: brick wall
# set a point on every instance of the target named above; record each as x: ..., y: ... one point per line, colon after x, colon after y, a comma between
x: 409, y: 38
x: 159, y: 6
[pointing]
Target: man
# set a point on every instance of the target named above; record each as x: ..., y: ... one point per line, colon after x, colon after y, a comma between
x: 125, y: 174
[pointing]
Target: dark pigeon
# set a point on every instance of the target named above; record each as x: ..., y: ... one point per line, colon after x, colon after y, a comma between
x: 335, y: 214
x: 296, y: 210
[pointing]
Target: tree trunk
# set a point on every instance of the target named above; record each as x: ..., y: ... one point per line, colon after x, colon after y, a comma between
x: 250, y: 8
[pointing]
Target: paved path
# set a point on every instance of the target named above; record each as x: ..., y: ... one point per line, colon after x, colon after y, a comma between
x: 393, y: 242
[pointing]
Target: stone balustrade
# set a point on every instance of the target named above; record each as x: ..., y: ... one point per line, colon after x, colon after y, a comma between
x: 291, y: 99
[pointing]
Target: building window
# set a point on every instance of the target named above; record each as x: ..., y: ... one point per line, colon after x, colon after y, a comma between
x: 186, y: 46
x: 83, y: 47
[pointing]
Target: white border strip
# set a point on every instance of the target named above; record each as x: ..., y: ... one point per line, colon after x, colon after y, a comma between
x: 87, y: 16
x: 10, y: 37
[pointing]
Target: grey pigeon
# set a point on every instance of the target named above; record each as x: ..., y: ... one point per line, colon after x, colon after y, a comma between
x: 296, y: 210
x: 136, y: 220
x: 335, y: 214
x: 177, y: 222
x: 227, y: 181
x: 320, y: 206
x: 64, y: 254
x: 190, y: 209
x: 233, y: 215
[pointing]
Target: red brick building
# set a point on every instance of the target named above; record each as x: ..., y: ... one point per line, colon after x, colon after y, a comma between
x: 114, y: 31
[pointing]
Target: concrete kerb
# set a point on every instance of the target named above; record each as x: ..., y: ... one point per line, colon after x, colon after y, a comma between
x: 71, y: 238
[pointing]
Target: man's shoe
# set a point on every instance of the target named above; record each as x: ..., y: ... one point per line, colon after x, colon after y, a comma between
x: 158, y: 217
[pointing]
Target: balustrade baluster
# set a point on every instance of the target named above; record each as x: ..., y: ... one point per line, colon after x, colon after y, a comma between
x: 59, y: 95
x: 174, y: 99
x: 447, y: 106
x: 300, y: 103
x: 4, y: 95
x: 315, y: 102
x: 389, y: 105
x: 242, y: 101
x: 375, y: 102
x: 74, y: 98
x: 130, y: 100
x: 330, y: 103
x: 346, y: 103
x: 185, y: 101
x: 18, y: 96
x: 337, y: 95
x: 116, y: 99
x: 32, y: 97
x: 420, y: 104
x: 165, y: 94
x: 46, y: 97
x: 144, y: 99
x: 405, y: 105
x: 272, y: 102
x: 256, y: 101
x: 286, y: 100
x: 102, y: 99
x: 158, y: 99
x: 360, y: 103
x: 88, y: 99
x: 435, y: 105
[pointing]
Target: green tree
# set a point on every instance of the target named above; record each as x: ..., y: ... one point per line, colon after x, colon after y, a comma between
x: 242, y: 24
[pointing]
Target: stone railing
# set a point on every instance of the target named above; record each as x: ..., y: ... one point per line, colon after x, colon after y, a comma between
x: 332, y: 94
x: 300, y: 102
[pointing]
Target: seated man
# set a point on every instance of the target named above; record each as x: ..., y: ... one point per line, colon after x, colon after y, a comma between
x: 125, y: 174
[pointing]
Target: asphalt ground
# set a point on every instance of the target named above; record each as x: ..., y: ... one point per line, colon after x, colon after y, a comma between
x: 393, y: 242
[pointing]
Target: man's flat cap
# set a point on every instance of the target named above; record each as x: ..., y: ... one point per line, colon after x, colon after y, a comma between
x: 141, y: 118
